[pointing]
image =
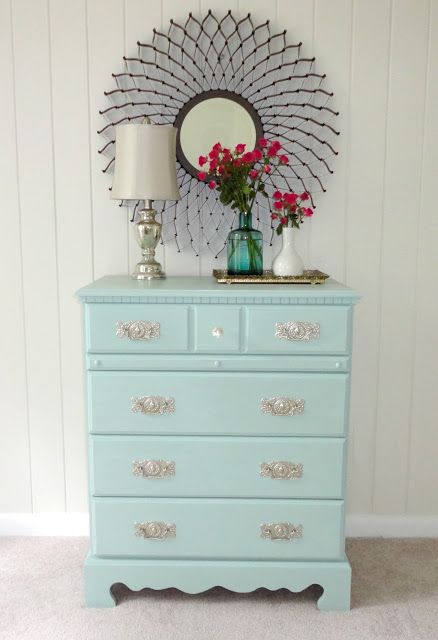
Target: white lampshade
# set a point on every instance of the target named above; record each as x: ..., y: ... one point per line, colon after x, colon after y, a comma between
x: 145, y: 166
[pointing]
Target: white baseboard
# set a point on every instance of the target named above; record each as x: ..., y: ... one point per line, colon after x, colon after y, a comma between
x: 77, y: 524
x: 44, y: 524
x: 374, y: 526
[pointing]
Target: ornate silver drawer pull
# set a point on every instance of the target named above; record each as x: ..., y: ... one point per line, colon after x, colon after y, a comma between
x: 281, y: 470
x: 281, y: 531
x: 153, y: 468
x: 303, y: 331
x: 155, y: 530
x: 152, y: 404
x: 138, y: 330
x: 282, y: 406
x: 217, y: 332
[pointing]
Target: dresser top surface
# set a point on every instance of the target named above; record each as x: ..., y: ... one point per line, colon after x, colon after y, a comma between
x: 124, y: 287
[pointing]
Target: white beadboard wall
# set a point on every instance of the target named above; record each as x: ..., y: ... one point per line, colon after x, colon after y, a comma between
x: 376, y: 230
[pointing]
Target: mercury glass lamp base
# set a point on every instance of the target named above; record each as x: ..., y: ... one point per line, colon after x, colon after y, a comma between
x: 145, y: 271
x: 147, y: 233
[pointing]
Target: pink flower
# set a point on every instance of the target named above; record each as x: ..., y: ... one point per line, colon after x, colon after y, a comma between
x: 276, y: 145
x: 221, y: 169
x: 290, y: 198
x: 283, y: 220
x: 277, y: 195
x: 217, y: 147
x: 308, y: 212
x: 278, y: 205
x: 213, y: 154
x: 201, y: 175
x: 248, y: 157
x: 272, y: 152
x: 304, y: 196
x: 274, y: 216
x: 202, y: 160
x: 262, y: 142
x: 213, y: 165
x: 284, y: 159
x: 240, y: 148
x: 253, y: 174
x: 267, y: 168
x: 212, y: 184
x: 257, y: 155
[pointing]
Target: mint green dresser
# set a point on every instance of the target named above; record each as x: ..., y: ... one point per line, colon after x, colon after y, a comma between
x: 217, y: 420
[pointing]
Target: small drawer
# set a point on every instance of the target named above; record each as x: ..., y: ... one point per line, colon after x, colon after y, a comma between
x: 218, y: 528
x: 136, y: 328
x: 299, y: 329
x: 217, y: 329
x: 231, y: 403
x: 154, y: 466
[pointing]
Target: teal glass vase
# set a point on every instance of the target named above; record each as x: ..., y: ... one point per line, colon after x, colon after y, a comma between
x: 245, y: 248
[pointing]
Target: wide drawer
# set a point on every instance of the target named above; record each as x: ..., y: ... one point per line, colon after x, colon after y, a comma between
x: 298, y: 329
x: 217, y: 528
x: 136, y: 328
x: 193, y: 403
x: 217, y: 466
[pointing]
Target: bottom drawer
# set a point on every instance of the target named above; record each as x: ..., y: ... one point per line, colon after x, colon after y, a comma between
x: 217, y: 528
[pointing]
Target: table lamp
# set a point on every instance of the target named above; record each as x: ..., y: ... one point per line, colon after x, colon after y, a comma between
x: 145, y: 169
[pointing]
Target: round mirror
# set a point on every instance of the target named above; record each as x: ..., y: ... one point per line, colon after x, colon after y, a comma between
x: 215, y: 116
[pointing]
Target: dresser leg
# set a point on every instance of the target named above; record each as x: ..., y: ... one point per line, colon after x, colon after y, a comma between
x: 98, y: 594
x: 97, y: 586
x: 337, y: 588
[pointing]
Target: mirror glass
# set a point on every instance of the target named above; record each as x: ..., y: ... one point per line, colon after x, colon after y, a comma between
x: 213, y: 120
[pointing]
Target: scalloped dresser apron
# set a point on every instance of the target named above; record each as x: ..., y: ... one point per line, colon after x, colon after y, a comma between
x: 217, y: 418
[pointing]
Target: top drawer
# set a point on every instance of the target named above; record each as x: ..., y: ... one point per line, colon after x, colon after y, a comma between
x: 298, y: 329
x: 137, y: 328
x: 217, y: 329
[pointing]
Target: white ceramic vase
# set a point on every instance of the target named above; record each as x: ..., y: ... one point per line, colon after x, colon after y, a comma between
x: 288, y: 262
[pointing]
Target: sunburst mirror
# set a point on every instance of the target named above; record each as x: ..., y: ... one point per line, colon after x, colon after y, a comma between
x: 227, y: 79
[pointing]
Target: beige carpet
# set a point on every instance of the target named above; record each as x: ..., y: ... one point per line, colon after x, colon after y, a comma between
x: 395, y: 596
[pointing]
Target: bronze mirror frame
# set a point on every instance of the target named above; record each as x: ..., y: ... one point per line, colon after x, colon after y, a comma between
x: 203, y: 97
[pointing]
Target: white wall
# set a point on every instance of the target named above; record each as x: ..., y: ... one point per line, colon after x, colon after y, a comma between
x: 376, y: 229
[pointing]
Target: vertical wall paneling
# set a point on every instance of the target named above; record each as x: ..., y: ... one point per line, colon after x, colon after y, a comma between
x: 375, y: 228
x: 14, y: 449
x: 422, y: 494
x: 332, y: 49
x: 368, y: 103
x: 106, y: 44
x: 73, y: 221
x: 39, y: 255
x: 208, y: 262
x: 185, y: 262
x: 298, y: 18
x: 259, y: 14
x: 140, y: 18
x: 399, y: 258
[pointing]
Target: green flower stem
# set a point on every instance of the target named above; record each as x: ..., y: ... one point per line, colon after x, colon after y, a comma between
x: 260, y: 181
x: 254, y: 251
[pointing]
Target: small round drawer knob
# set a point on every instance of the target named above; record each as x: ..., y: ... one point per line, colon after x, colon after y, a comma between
x: 96, y: 363
x: 217, y: 364
x: 217, y: 332
x: 338, y: 365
